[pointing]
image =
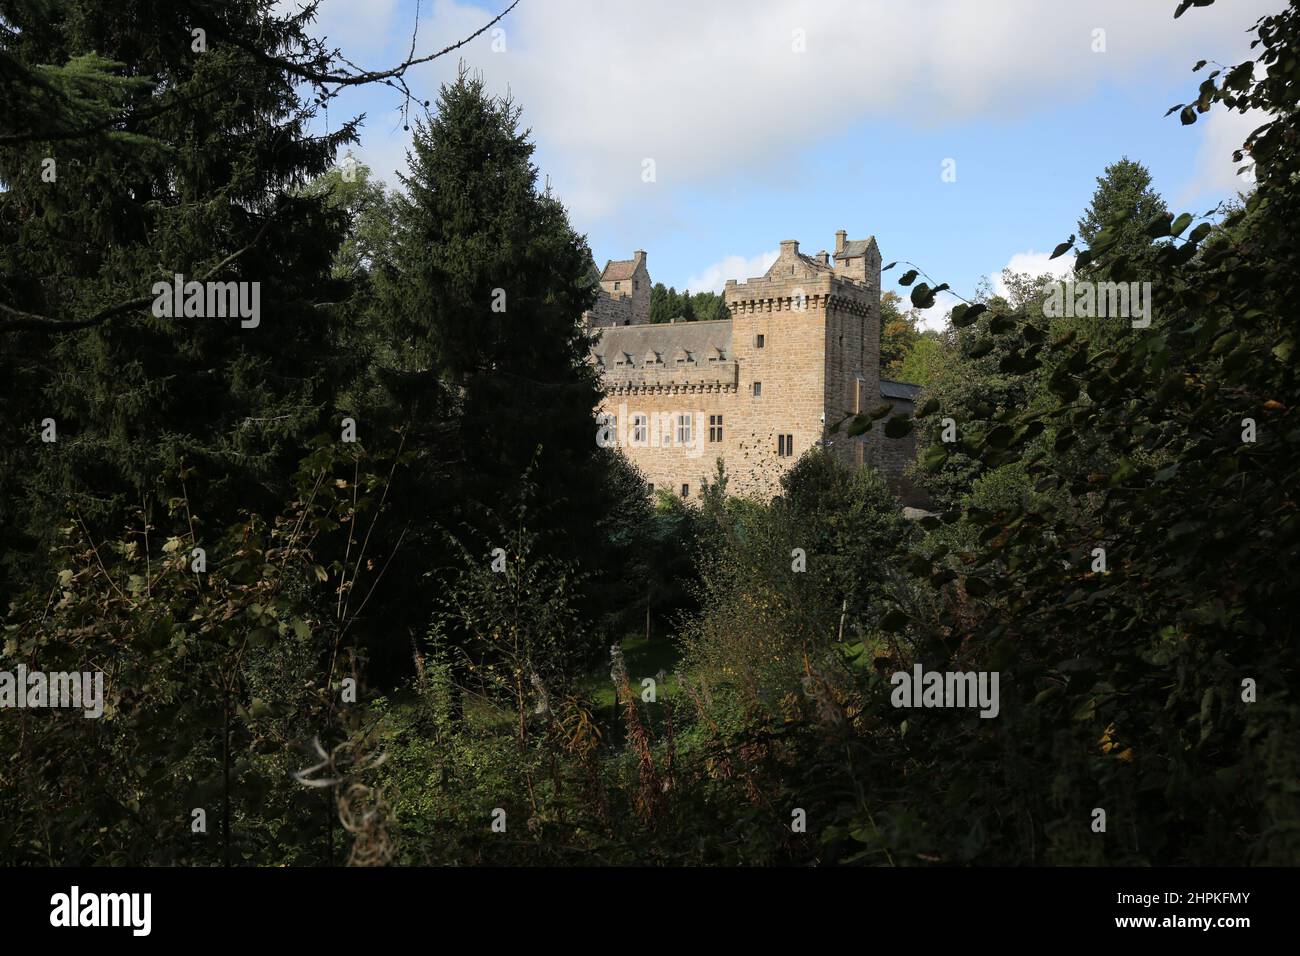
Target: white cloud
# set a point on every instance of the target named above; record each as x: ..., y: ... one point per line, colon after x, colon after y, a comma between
x: 715, y: 277
x: 716, y: 89
x: 1034, y: 264
x: 1224, y: 131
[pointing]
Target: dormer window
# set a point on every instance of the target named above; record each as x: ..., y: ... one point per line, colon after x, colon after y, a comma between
x: 683, y: 357
x: 653, y: 358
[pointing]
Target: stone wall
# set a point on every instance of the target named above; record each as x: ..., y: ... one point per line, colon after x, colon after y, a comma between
x: 818, y: 362
x: 608, y: 311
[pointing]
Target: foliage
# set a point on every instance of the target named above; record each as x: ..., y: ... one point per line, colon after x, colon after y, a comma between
x: 667, y: 305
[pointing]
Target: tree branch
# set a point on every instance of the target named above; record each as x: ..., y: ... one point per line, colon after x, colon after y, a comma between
x: 16, y: 320
x: 328, y: 77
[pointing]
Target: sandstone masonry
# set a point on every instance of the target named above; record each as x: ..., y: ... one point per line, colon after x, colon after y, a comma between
x: 800, y: 352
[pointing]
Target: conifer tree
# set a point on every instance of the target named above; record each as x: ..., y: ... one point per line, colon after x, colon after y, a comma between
x: 491, y: 286
x: 207, y: 188
x: 1125, y: 203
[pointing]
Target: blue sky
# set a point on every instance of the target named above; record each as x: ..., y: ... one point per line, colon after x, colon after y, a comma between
x: 791, y: 119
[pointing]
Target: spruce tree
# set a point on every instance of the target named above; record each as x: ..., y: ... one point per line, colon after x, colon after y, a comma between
x: 491, y: 286
x: 207, y: 187
x: 1125, y: 203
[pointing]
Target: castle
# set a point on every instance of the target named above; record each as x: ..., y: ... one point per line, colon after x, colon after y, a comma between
x: 800, y: 352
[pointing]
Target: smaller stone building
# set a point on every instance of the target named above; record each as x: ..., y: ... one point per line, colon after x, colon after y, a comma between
x: 624, y: 294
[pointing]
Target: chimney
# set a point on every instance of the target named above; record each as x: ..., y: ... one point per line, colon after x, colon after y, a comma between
x: 638, y: 257
x: 841, y: 238
x: 824, y: 257
x: 790, y: 246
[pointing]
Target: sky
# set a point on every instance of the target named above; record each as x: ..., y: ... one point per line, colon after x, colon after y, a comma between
x: 965, y: 135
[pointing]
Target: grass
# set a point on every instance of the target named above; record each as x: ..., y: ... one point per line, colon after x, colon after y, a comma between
x: 644, y: 659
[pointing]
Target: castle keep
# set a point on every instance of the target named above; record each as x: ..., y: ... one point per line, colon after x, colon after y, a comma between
x: 799, y: 353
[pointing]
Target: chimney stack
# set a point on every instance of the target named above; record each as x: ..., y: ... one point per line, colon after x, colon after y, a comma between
x: 790, y: 246
x: 824, y: 257
x: 638, y: 257
x: 841, y: 237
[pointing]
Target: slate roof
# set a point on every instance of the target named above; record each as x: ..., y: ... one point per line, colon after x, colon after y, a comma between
x: 855, y: 247
x: 815, y: 264
x: 903, y: 390
x: 700, y: 339
x: 618, y: 269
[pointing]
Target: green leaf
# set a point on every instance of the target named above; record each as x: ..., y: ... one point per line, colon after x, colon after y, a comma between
x: 934, y: 457
x: 1159, y: 226
x: 898, y: 426
x: 964, y: 315
x: 859, y: 425
x: 894, y: 621
x: 1000, y: 436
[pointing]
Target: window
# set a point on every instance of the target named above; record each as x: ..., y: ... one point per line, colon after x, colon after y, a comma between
x: 635, y: 285
x: 615, y: 286
x: 684, y: 429
x: 652, y: 487
x: 686, y: 491
x: 758, y: 389
x: 639, y: 432
x: 784, y: 446
x: 758, y: 342
x: 715, y: 428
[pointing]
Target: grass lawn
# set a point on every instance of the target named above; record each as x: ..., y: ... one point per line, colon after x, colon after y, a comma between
x: 644, y: 659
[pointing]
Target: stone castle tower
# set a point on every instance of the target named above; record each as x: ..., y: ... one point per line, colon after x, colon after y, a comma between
x: 800, y: 352
x: 624, y: 295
